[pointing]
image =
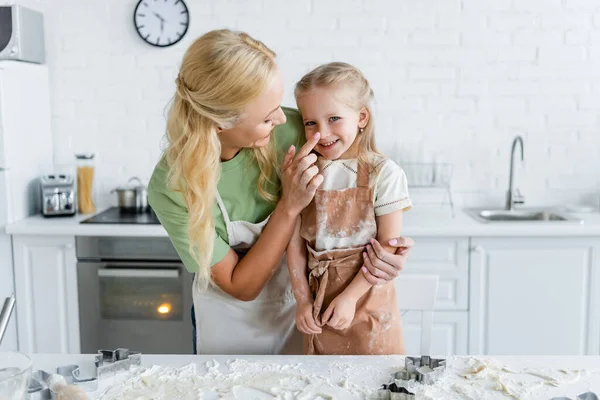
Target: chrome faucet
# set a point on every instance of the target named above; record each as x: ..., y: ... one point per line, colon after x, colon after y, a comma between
x: 517, y: 197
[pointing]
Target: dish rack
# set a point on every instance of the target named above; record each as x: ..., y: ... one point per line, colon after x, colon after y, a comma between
x: 431, y: 176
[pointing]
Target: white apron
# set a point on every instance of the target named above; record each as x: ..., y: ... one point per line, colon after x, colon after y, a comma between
x: 266, y: 325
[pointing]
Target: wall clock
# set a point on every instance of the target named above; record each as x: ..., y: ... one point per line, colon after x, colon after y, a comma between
x: 161, y: 23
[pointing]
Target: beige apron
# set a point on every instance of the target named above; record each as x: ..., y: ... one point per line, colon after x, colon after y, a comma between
x: 266, y: 325
x: 347, y: 216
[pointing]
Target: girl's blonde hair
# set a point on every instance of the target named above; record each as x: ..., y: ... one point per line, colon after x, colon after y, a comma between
x: 356, y: 93
x: 221, y: 73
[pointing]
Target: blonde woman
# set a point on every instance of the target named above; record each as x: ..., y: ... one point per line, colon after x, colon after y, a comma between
x: 229, y: 189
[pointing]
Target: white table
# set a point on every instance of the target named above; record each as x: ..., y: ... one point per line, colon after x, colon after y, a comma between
x: 370, y: 371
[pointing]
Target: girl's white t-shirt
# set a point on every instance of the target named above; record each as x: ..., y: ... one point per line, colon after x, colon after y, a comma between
x: 389, y: 180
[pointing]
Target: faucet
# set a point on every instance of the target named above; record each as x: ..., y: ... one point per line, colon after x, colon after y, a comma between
x: 514, y: 198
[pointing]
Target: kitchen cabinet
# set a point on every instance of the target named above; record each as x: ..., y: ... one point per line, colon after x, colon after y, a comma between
x: 447, y: 257
x: 497, y: 295
x: 534, y: 296
x: 46, y: 292
x: 449, y: 334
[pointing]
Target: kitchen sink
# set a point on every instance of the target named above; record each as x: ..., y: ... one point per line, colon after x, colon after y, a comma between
x: 521, y: 215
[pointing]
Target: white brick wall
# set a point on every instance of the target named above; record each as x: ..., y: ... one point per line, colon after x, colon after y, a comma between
x: 454, y: 79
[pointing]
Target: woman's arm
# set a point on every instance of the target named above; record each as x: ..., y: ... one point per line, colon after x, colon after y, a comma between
x: 244, y: 278
x: 297, y: 265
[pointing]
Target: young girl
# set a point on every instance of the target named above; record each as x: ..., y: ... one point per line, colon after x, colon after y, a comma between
x: 362, y: 197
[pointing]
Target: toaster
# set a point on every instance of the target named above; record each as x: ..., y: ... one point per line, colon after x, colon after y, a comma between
x: 21, y: 34
x: 58, y: 195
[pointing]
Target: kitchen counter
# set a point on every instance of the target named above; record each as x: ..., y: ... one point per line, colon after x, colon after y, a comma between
x: 71, y: 226
x: 417, y: 222
x: 345, y: 377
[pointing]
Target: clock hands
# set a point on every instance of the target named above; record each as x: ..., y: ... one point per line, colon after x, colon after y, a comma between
x: 162, y: 21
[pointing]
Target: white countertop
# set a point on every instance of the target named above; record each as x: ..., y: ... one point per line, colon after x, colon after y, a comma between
x: 71, y: 226
x: 347, y: 374
x: 417, y: 222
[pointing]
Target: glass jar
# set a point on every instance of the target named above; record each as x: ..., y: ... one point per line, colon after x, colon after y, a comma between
x: 15, y: 371
x: 85, y: 183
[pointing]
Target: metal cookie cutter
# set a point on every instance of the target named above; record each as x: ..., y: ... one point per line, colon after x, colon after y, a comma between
x: 583, y: 396
x: 424, y: 369
x: 38, y: 389
x: 38, y: 383
x: 106, y: 363
x: 111, y: 362
x: 394, y: 392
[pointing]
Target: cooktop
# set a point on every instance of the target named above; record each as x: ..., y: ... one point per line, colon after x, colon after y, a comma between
x: 115, y: 215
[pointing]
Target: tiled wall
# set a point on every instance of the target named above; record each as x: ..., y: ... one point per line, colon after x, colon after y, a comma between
x: 455, y: 81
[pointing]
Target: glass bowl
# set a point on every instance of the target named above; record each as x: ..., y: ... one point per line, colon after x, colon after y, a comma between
x: 15, y: 371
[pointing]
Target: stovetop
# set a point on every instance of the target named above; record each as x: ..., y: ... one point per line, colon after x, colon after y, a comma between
x: 115, y: 215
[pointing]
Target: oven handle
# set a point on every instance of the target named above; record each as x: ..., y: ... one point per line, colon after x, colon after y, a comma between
x: 138, y: 273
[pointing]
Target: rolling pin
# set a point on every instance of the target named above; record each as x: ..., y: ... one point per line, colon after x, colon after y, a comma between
x: 7, y: 309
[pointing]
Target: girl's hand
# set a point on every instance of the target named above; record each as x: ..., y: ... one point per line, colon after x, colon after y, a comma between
x: 300, y: 178
x: 305, y: 320
x: 340, y: 313
x: 381, y: 266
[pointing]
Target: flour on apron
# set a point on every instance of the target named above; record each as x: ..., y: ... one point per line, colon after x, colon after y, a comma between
x: 336, y: 226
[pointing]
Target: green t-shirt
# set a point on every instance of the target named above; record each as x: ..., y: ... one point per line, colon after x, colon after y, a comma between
x: 238, y: 187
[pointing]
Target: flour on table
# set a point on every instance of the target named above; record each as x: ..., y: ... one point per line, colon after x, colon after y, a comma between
x: 473, y: 378
x: 243, y: 380
x: 464, y: 378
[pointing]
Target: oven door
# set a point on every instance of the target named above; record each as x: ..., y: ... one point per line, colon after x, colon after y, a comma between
x: 142, y: 306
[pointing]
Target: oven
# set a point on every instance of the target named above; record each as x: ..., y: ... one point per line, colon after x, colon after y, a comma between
x: 133, y: 292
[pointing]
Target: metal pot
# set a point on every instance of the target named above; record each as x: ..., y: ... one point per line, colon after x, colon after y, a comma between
x: 133, y: 198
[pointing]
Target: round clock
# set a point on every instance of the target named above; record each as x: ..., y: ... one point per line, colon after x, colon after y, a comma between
x: 161, y: 23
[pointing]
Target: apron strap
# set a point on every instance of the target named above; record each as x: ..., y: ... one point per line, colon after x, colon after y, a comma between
x: 225, y: 217
x: 362, y: 175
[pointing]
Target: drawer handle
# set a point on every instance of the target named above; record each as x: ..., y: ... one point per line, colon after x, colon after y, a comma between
x: 476, y: 249
x: 138, y: 273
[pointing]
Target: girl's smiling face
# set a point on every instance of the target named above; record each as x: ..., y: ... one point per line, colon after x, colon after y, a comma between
x: 323, y: 111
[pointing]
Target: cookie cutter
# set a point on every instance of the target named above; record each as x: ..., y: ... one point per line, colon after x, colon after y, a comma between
x: 38, y: 389
x: 111, y: 362
x: 583, y: 396
x: 38, y: 383
x: 424, y: 369
x: 394, y: 392
x: 106, y: 363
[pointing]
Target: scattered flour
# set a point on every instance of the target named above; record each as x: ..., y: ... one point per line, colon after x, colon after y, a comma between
x: 243, y: 380
x: 480, y: 379
x: 464, y: 378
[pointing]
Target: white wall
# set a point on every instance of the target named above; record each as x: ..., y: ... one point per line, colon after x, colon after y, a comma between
x: 453, y: 78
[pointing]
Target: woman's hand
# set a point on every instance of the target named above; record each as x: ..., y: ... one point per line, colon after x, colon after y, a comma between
x: 381, y: 266
x: 300, y: 178
x: 305, y: 320
x: 340, y: 313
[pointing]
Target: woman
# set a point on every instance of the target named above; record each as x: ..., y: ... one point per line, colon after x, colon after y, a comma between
x: 229, y: 189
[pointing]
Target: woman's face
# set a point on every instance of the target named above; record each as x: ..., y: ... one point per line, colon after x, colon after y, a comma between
x: 258, y: 120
